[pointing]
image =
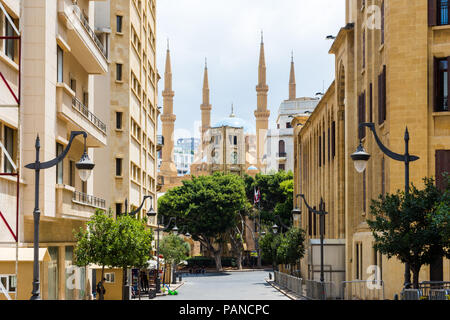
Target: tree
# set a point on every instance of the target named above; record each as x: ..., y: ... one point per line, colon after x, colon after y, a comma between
x: 208, y: 206
x: 94, y: 244
x: 268, y: 245
x: 174, y: 250
x: 276, y: 195
x: 236, y: 236
x: 121, y: 243
x: 405, y: 227
x: 291, y: 247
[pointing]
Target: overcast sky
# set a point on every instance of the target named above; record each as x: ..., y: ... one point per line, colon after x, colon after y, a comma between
x: 227, y: 32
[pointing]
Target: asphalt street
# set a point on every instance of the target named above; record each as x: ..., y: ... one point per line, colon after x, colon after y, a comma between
x: 248, y: 285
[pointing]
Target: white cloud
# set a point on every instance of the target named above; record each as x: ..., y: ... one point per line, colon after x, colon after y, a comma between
x: 228, y: 34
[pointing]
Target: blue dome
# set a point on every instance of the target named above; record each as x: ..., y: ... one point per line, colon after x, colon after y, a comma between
x: 234, y: 123
x: 252, y: 168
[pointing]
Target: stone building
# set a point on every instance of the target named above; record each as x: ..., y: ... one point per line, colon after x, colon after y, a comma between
x: 373, y: 83
x: 60, y: 54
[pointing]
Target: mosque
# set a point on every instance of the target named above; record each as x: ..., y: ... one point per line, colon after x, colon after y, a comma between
x: 231, y: 145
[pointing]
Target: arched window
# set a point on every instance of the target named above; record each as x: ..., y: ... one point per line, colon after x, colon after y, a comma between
x: 234, y: 157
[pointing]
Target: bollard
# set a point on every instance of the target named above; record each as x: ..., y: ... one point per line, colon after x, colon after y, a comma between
x: 396, y: 296
x: 270, y: 276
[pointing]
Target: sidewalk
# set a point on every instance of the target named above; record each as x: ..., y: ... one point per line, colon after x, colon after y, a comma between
x: 288, y: 293
x: 171, y: 286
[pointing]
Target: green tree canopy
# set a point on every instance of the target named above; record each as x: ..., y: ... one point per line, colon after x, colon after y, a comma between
x: 121, y: 243
x: 174, y: 249
x: 208, y: 206
x: 405, y: 227
x: 276, y: 195
x: 291, y: 247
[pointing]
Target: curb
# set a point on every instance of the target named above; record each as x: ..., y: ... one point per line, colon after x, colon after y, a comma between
x: 285, y: 292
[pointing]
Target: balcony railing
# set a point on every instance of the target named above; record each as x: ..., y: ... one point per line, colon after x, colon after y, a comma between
x: 85, y: 23
x: 78, y: 105
x: 88, y: 200
x: 281, y: 154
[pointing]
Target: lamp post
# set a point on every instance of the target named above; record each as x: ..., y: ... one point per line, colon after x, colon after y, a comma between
x: 175, y: 231
x: 84, y: 166
x: 321, y: 212
x: 361, y: 157
x: 126, y: 286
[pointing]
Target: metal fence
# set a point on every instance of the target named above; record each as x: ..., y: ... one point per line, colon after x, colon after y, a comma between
x: 292, y: 283
x: 363, y: 290
x: 317, y: 290
x: 428, y: 290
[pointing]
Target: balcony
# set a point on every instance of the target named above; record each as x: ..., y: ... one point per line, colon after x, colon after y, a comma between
x: 73, y: 204
x: 82, y: 40
x: 78, y: 116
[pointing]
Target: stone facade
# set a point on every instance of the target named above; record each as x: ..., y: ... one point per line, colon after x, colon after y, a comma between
x: 386, y: 58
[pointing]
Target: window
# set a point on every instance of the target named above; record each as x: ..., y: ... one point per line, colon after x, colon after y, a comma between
x: 364, y: 191
x: 378, y: 261
x: 60, y: 64
x: 118, y: 209
x: 118, y: 71
x: 333, y: 139
x: 59, y: 166
x: 442, y: 165
x: 84, y: 187
x: 382, y: 96
x: 118, y: 167
x: 72, y: 173
x: 288, y: 125
x: 234, y: 158
x: 110, y: 277
x: 282, y: 167
x: 362, y: 114
x: 119, y: 20
x: 9, y: 282
x: 235, y: 140
x: 314, y: 222
x: 382, y: 22
x: 86, y: 99
x: 442, y: 12
x: 73, y: 84
x: 9, y: 43
x: 359, y: 261
x: 364, y: 48
x: 320, y: 151
x: 310, y: 222
x: 10, y: 148
x: 441, y: 85
x: 281, y: 148
x: 119, y: 120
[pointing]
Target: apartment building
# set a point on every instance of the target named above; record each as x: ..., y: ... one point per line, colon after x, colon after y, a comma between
x: 58, y: 54
x: 130, y: 159
x: 391, y: 69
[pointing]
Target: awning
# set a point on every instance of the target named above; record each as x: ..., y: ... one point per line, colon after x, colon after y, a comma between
x: 25, y: 255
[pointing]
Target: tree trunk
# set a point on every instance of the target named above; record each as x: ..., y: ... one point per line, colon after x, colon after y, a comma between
x: 415, y: 272
x: 218, y: 260
x: 100, y: 294
x: 239, y: 260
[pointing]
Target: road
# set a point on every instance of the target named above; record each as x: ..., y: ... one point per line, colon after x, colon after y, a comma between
x: 248, y: 285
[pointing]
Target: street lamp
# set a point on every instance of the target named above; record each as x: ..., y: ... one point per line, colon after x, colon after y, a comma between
x: 84, y: 166
x: 275, y: 228
x: 175, y: 229
x: 126, y: 286
x: 321, y: 212
x: 361, y: 157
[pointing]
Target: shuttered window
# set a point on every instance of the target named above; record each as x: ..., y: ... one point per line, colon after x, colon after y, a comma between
x: 382, y: 96
x: 361, y: 114
x: 333, y: 139
x: 442, y: 166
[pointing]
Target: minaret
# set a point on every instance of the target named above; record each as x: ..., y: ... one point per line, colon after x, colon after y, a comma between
x: 168, y: 167
x: 205, y: 107
x: 292, y: 86
x: 261, y: 113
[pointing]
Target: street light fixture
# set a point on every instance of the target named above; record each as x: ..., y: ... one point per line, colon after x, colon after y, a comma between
x: 361, y: 157
x: 85, y: 166
x: 275, y: 228
x: 321, y: 212
x: 126, y: 286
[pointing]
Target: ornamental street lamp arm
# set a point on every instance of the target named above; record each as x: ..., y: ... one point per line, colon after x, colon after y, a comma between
x: 386, y: 151
x: 307, y: 205
x: 140, y: 207
x: 58, y: 159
